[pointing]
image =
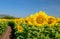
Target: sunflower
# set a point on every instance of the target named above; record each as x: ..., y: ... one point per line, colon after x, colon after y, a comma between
x: 29, y: 20
x: 25, y: 20
x: 51, y: 21
x: 18, y: 21
x: 40, y: 19
x: 19, y: 28
x: 58, y: 20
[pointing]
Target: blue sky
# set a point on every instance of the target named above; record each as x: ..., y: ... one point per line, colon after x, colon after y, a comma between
x: 23, y: 8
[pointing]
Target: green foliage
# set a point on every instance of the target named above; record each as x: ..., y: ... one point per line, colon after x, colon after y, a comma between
x: 35, y: 32
x: 11, y: 23
x: 3, y: 26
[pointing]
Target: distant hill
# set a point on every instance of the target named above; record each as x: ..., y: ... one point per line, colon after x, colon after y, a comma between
x: 2, y: 15
x: 6, y: 16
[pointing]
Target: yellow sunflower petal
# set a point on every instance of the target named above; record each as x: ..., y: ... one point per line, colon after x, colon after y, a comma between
x: 42, y: 13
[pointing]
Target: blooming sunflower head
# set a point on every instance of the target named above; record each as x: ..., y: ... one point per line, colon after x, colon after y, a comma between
x: 26, y: 20
x: 51, y: 21
x: 19, y: 28
x: 29, y: 20
x: 40, y: 19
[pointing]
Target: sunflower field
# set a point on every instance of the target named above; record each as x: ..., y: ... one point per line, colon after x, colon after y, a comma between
x: 36, y: 26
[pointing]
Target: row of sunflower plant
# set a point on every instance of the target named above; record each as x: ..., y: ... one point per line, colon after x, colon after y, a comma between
x: 37, y: 26
x: 3, y: 26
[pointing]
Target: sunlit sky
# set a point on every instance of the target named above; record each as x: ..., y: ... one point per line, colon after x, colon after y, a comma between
x: 23, y: 8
